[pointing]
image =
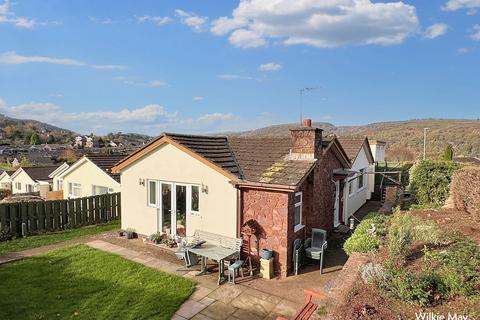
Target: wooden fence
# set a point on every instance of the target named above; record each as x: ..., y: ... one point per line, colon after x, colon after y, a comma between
x: 27, y: 218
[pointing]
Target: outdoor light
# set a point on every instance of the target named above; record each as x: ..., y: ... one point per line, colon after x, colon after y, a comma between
x: 204, y: 188
x: 141, y: 182
x: 352, y: 223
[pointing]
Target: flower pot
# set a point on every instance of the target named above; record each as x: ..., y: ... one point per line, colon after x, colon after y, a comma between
x: 266, y: 254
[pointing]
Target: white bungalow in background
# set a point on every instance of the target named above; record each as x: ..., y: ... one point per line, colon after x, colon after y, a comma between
x: 57, y: 181
x: 378, y: 149
x: 32, y: 179
x: 91, y: 175
x: 360, y: 186
x: 6, y: 180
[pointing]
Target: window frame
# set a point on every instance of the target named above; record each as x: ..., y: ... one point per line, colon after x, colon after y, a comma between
x: 189, y: 199
x: 18, y: 186
x: 71, y: 187
x: 298, y: 226
x: 361, y: 175
x: 351, y: 188
x: 157, y: 202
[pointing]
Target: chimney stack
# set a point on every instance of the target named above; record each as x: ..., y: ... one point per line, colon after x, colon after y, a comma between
x: 306, y: 142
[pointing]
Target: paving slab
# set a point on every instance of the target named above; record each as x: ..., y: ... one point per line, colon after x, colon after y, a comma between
x: 226, y: 293
x: 200, y: 292
x: 219, y: 311
x: 253, y: 304
x: 190, y: 308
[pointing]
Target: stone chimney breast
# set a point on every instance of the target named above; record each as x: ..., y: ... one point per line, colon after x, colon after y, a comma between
x: 306, y: 142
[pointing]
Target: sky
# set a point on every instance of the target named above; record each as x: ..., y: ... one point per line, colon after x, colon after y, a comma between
x: 150, y: 66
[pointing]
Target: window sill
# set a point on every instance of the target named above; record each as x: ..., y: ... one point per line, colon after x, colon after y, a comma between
x: 361, y: 189
x: 298, y: 227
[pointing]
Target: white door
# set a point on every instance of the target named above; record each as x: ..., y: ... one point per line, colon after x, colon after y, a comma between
x: 336, y: 211
x: 172, y: 210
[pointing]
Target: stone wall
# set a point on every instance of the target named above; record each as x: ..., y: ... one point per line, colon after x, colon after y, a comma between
x: 270, y: 210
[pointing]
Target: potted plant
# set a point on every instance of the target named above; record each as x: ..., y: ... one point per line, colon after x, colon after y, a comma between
x: 157, y: 237
x: 130, y: 233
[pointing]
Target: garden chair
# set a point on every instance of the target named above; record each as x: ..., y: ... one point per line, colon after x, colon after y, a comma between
x: 309, y: 307
x: 189, y: 258
x: 315, y: 247
x: 297, y: 255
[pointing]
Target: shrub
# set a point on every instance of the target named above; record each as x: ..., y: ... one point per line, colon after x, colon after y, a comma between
x: 459, y: 266
x: 405, y: 229
x: 367, y: 235
x: 430, y: 181
x: 421, y: 288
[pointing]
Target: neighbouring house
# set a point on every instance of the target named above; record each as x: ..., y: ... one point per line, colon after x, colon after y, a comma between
x: 378, y: 149
x: 179, y: 183
x: 5, y: 180
x: 32, y: 179
x: 361, y: 185
x: 91, y: 175
x: 80, y: 141
x: 57, y: 181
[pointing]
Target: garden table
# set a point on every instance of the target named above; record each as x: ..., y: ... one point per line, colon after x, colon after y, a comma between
x: 213, y: 252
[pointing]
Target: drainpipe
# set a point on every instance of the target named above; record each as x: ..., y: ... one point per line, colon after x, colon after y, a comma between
x: 239, y: 213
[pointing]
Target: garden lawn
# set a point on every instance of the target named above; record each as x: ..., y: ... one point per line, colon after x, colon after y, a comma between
x: 83, y: 283
x: 30, y: 242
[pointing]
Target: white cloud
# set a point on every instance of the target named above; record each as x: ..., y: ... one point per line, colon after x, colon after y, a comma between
x: 436, y: 30
x: 159, y: 21
x: 7, y: 16
x: 110, y: 67
x: 271, y: 66
x: 13, y: 58
x: 454, y: 5
x: 150, y: 84
x: 192, y: 20
x: 151, y: 119
x: 101, y: 21
x: 198, y: 98
x: 318, y: 23
x: 234, y: 77
x: 475, y: 32
x: 462, y: 50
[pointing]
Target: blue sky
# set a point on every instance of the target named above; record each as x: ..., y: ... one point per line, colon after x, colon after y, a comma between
x: 206, y: 66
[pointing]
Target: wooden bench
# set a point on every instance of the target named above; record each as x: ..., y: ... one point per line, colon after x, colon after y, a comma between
x: 309, y: 307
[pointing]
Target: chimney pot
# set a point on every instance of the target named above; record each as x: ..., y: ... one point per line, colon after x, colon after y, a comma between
x: 307, y: 123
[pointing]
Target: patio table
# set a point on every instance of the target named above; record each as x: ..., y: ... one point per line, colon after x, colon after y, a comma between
x: 213, y: 252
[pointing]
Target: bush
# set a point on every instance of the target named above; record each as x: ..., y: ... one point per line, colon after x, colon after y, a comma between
x: 430, y: 181
x: 466, y: 190
x: 421, y: 288
x: 459, y: 266
x: 367, y: 235
x: 405, y: 229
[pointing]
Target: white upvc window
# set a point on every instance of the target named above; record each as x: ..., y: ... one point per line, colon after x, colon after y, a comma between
x: 298, y: 212
x: 152, y: 193
x: 361, y: 179
x: 59, y: 184
x: 99, y: 190
x: 350, y: 188
x: 30, y: 188
x: 193, y: 199
x: 18, y: 186
x: 74, y: 190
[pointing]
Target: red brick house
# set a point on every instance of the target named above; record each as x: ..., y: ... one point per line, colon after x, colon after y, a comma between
x: 285, y: 187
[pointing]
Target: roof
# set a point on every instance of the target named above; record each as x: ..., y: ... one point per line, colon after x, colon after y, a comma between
x: 265, y: 160
x: 260, y: 160
x: 353, y: 145
x: 9, y: 172
x: 106, y: 162
x: 379, y: 142
x: 39, y: 173
x: 216, y: 149
x: 60, y: 169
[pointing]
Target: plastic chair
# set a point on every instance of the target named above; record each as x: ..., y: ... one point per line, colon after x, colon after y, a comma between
x: 297, y: 255
x: 317, y: 246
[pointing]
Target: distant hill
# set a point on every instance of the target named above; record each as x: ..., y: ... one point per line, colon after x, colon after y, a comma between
x: 404, y: 138
x: 20, y: 131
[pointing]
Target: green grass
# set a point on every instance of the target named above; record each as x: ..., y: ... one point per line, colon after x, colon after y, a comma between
x: 79, y: 282
x: 54, y: 237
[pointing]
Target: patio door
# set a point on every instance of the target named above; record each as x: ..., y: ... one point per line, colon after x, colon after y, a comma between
x: 336, y: 208
x: 173, y: 208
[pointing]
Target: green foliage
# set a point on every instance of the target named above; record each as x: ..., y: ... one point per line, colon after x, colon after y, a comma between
x: 34, y: 139
x: 25, y: 162
x: 368, y: 234
x: 459, y: 266
x: 420, y: 288
x: 448, y: 153
x: 430, y: 181
x: 405, y: 229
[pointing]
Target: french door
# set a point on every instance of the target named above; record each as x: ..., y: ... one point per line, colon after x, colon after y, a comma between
x: 172, y: 209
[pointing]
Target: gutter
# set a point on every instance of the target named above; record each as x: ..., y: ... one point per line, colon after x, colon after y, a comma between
x: 263, y: 186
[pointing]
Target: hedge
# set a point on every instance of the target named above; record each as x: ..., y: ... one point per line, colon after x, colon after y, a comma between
x: 466, y: 190
x: 430, y: 181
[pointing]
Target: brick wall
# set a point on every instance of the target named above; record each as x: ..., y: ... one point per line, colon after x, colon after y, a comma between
x: 270, y: 210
